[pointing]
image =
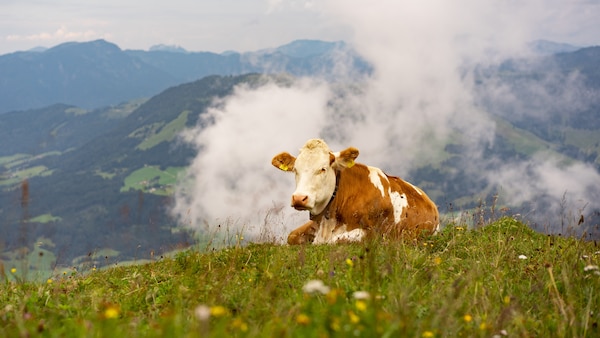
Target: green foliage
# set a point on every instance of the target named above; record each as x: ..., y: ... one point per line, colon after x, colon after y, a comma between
x: 166, y: 133
x: 152, y: 180
x: 20, y: 175
x: 45, y: 218
x: 501, y: 279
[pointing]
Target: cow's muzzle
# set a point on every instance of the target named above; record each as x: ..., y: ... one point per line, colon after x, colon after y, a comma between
x: 300, y: 202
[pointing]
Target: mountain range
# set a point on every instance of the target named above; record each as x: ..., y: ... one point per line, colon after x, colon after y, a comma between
x: 95, y: 184
x: 98, y: 73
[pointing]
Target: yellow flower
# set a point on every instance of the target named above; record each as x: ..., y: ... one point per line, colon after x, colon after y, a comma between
x: 361, y: 305
x: 302, y: 319
x: 112, y: 311
x: 506, y: 300
x: 349, y: 262
x: 13, y: 270
x: 239, y: 324
x: 353, y: 317
x: 483, y: 326
x: 427, y: 334
x: 332, y: 296
x: 335, y: 324
x: 467, y: 318
x: 437, y: 260
x: 49, y: 281
x: 218, y: 311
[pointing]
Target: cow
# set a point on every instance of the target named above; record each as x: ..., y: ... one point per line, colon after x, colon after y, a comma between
x: 349, y: 201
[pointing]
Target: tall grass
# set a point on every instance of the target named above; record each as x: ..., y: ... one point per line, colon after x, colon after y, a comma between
x: 501, y: 279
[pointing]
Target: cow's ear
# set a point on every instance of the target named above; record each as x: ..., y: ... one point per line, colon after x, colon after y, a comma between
x: 346, y: 158
x: 284, y: 161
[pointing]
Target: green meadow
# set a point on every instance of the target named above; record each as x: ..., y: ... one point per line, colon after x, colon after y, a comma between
x: 151, y: 179
x: 502, y: 279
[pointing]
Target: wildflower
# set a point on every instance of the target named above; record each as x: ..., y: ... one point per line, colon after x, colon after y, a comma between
x: 483, y: 326
x: 354, y: 319
x: 335, y: 324
x: 506, y: 300
x: 349, y: 262
x: 522, y: 257
x: 427, y: 334
x: 590, y: 268
x: 94, y: 268
x: 239, y: 324
x: 361, y: 305
x: 112, y: 311
x: 202, y: 312
x: 332, y: 296
x: 437, y: 260
x: 361, y: 295
x: 467, y: 318
x: 459, y: 228
x: 302, y: 319
x: 315, y: 286
x: 49, y: 281
x: 218, y: 311
x: 13, y: 270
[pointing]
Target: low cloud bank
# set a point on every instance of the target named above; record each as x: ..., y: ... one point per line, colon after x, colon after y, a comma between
x: 421, y: 94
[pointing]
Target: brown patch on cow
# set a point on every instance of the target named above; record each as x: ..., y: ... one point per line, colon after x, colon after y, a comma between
x: 420, y: 217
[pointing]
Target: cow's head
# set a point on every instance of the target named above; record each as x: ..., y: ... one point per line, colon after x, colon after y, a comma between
x: 315, y: 168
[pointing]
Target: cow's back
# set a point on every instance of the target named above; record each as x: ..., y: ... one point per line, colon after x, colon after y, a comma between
x: 368, y: 199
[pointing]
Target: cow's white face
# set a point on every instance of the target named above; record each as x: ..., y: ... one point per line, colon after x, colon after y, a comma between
x: 315, y: 180
x: 315, y: 170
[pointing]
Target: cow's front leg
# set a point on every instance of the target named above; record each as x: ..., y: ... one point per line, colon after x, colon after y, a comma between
x: 303, y: 234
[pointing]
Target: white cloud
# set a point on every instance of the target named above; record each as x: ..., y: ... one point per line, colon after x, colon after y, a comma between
x: 60, y: 34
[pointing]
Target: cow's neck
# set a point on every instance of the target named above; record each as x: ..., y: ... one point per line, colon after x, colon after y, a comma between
x: 325, y: 213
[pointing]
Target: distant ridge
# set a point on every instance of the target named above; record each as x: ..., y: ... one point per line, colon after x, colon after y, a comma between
x: 545, y: 47
x: 98, y: 73
x: 89, y: 75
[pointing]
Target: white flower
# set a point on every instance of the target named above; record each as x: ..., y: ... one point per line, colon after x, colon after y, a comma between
x: 361, y: 295
x: 202, y: 312
x: 315, y: 286
x: 522, y: 257
x: 590, y: 268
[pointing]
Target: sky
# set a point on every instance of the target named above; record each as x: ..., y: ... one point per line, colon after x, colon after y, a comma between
x: 400, y: 116
x: 248, y: 25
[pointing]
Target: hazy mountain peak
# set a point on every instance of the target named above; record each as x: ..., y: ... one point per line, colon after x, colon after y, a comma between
x: 167, y: 48
x: 305, y: 48
x: 91, y: 46
x: 545, y: 47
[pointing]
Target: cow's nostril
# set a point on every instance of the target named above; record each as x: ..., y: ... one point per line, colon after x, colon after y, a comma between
x: 299, y: 201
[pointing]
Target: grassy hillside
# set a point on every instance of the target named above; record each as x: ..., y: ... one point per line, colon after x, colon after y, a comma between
x: 503, y: 279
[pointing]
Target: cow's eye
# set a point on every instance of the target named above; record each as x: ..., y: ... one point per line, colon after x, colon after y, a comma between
x: 323, y: 170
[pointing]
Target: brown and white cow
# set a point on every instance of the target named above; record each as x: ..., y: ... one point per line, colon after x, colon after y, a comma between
x: 348, y: 201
